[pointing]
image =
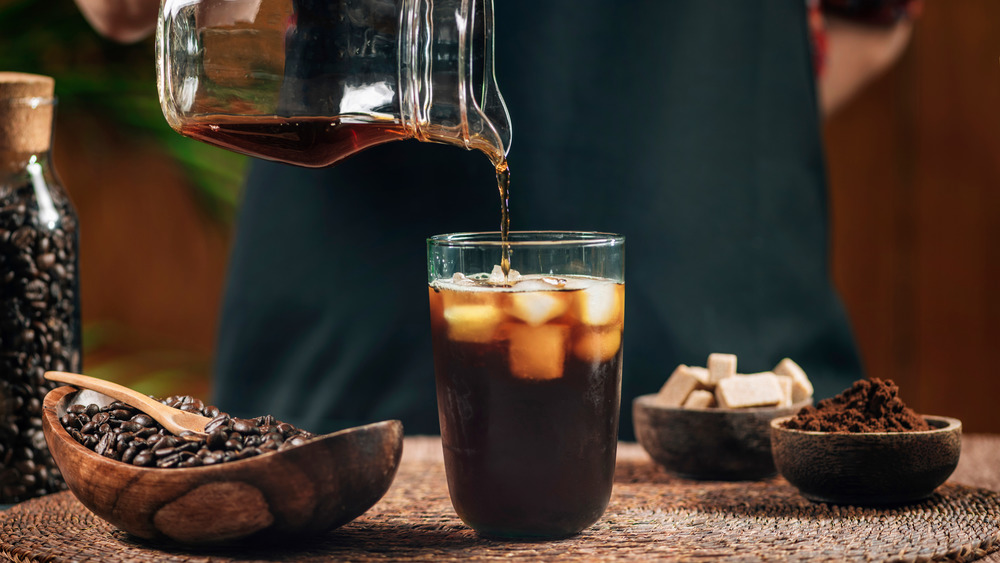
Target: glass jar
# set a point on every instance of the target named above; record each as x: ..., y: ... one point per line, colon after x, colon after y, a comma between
x: 310, y: 82
x: 39, y: 293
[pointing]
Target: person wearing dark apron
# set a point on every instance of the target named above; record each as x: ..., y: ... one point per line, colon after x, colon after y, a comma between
x: 690, y: 127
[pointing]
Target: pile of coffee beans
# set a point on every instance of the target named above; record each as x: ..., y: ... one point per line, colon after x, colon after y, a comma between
x: 123, y: 433
x: 39, y: 329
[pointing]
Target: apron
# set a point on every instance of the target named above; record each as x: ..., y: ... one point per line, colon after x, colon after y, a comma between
x: 690, y: 127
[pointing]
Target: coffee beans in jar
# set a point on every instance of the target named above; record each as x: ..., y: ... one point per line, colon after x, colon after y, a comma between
x: 122, y: 433
x: 39, y: 299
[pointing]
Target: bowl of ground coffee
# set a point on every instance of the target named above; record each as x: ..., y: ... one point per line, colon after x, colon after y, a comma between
x: 247, y: 480
x: 865, y: 447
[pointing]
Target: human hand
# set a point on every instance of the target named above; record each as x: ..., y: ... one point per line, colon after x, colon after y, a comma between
x: 856, y: 54
x: 125, y: 21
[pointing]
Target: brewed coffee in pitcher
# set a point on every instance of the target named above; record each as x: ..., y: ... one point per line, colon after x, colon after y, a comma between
x: 311, y: 82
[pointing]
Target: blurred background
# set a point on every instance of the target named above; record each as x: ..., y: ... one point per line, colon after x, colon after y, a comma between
x: 914, y: 203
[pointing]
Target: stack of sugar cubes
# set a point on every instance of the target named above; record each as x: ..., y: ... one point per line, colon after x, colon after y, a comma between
x: 718, y: 385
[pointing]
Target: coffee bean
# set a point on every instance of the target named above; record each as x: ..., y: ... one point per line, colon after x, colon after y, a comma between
x: 217, y: 439
x: 23, y: 238
x: 217, y: 422
x: 143, y: 459
x: 131, y: 426
x: 245, y: 427
x: 169, y: 461
x: 228, y: 439
x: 164, y: 452
x: 69, y: 420
x: 103, y: 444
x: 190, y: 462
x: 190, y: 447
x: 121, y: 414
x: 143, y: 420
x: 46, y: 261
x: 37, y: 290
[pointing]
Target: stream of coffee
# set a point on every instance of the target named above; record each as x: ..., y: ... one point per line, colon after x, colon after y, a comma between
x: 503, y: 184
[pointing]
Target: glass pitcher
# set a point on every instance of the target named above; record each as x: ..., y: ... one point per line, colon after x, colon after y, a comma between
x: 311, y: 82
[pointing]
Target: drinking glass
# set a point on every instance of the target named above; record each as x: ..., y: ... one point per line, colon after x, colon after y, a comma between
x: 528, y: 376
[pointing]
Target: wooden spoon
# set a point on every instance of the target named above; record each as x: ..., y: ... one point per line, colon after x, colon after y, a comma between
x: 174, y: 420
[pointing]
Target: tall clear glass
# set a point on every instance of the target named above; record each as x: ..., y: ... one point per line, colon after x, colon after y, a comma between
x: 528, y: 375
x: 311, y: 82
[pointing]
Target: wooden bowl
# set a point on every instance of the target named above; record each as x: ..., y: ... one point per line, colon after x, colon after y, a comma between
x: 871, y: 468
x: 711, y: 443
x: 309, y: 489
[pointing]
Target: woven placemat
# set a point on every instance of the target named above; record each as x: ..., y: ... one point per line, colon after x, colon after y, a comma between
x: 651, y: 516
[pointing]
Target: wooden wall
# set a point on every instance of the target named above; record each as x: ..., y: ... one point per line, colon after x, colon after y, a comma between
x: 915, y: 170
x: 152, y: 263
x: 914, y: 167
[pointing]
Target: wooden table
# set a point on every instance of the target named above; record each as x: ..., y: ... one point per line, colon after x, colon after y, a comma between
x: 652, y: 516
x: 979, y: 466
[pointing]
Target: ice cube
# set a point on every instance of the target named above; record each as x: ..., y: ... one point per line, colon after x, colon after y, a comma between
x: 557, y: 283
x: 600, y: 305
x: 536, y: 308
x: 538, y: 352
x: 598, y: 346
x: 497, y: 277
x: 472, y: 323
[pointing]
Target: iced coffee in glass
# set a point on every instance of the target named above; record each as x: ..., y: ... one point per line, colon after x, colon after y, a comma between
x: 528, y: 364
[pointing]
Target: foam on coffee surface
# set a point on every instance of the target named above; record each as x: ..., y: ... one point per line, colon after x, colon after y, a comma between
x: 720, y: 385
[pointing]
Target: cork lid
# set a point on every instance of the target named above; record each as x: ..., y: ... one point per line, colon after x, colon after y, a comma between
x: 26, y: 108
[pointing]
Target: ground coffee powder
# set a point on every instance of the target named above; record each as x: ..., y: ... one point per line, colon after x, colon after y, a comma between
x: 868, y: 406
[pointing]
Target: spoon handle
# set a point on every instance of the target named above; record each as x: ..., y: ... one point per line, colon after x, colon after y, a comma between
x: 174, y: 420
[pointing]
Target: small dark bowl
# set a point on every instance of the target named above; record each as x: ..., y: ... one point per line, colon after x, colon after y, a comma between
x: 712, y: 443
x: 868, y: 469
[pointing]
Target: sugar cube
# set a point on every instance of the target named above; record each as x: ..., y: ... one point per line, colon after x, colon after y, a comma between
x: 721, y: 366
x: 742, y: 391
x: 700, y: 399
x: 802, y: 388
x: 678, y: 386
